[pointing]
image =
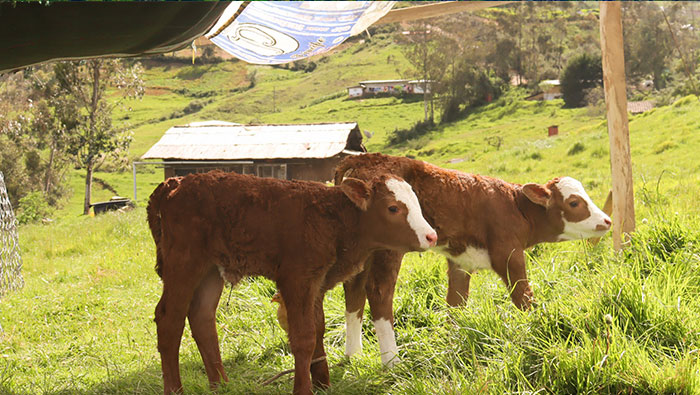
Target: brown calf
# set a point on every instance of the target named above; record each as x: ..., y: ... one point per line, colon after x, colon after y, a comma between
x: 482, y: 223
x: 305, y: 236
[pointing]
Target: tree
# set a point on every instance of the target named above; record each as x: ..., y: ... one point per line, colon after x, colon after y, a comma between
x: 84, y: 85
x: 648, y: 45
x: 426, y: 59
x: 581, y: 73
x: 34, y: 139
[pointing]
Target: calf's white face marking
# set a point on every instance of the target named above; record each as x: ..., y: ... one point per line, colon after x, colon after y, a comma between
x: 595, y: 225
x: 404, y: 194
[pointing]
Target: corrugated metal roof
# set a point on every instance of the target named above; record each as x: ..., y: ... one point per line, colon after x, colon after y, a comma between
x: 217, y: 140
x: 384, y: 82
x: 636, y: 107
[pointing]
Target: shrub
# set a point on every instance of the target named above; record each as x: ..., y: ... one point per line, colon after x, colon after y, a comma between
x: 193, y: 107
x: 582, y: 73
x: 420, y: 128
x: 576, y: 148
x: 32, y: 207
x: 475, y: 87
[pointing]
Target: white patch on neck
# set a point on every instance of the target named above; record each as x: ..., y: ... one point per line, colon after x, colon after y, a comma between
x: 387, y: 342
x: 404, y: 194
x: 587, y: 227
x: 222, y: 271
x: 353, y: 333
x: 471, y: 260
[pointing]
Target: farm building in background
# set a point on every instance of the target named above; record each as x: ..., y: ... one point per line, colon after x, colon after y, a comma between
x: 550, y: 90
x: 287, y: 151
x: 392, y: 87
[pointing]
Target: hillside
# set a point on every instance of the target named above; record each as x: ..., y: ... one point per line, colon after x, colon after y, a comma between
x: 183, y: 94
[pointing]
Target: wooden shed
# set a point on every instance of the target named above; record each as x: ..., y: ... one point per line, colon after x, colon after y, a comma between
x: 285, y: 151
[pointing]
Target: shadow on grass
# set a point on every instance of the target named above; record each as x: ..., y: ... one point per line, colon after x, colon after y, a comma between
x: 246, y: 377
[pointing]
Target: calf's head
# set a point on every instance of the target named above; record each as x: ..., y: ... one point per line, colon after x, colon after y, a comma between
x: 569, y: 209
x: 391, y: 216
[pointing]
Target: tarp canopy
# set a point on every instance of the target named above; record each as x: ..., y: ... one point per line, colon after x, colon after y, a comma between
x: 257, y: 32
x: 32, y: 33
x: 280, y: 32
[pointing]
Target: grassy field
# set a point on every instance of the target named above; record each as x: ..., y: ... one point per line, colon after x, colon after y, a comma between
x: 83, y: 323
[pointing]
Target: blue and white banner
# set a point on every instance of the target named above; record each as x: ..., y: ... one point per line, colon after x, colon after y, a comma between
x: 270, y: 32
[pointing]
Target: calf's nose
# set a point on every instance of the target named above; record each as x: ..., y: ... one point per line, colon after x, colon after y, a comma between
x: 605, y: 226
x: 432, y: 239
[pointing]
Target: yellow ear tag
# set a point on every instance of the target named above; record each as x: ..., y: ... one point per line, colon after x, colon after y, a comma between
x: 194, y: 51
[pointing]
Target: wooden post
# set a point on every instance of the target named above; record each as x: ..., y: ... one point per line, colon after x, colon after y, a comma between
x: 618, y: 126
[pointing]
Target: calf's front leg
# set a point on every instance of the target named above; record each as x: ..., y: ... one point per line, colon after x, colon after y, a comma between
x: 381, y: 284
x: 355, y: 298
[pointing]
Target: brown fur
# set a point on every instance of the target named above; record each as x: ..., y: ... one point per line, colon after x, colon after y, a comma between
x: 303, y: 235
x: 466, y: 210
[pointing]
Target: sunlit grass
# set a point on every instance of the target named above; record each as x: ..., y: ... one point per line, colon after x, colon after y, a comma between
x: 84, y: 321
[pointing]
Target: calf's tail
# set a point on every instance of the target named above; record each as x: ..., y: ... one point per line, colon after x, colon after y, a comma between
x: 153, y: 216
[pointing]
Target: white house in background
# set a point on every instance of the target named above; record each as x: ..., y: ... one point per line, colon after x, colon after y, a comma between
x: 355, y: 91
x: 550, y: 90
x: 376, y: 87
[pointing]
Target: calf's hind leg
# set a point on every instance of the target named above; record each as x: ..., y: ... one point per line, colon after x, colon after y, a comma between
x: 202, y: 318
x: 178, y: 289
x: 514, y: 275
x: 300, y: 302
x: 319, y: 370
x: 457, y: 285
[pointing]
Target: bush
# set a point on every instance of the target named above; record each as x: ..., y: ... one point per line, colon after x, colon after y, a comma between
x: 576, y: 148
x: 476, y: 87
x: 32, y: 207
x: 299, y: 65
x: 193, y: 107
x: 420, y: 128
x: 582, y: 73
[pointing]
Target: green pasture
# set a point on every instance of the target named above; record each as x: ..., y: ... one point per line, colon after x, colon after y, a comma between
x: 83, y: 323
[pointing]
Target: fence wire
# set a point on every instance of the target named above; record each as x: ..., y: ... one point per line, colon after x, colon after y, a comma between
x: 10, y: 259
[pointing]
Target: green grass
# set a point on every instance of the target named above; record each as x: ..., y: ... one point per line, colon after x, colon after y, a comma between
x: 83, y: 323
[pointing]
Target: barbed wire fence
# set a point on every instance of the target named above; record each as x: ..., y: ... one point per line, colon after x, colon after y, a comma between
x: 10, y: 259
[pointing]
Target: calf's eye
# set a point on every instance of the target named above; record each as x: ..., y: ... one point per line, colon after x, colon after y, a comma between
x: 573, y: 204
x: 393, y: 209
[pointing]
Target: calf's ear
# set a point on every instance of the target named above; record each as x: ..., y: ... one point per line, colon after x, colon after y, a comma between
x: 357, y: 191
x: 537, y: 194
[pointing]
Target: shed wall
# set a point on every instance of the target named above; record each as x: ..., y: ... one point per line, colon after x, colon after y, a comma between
x: 301, y: 169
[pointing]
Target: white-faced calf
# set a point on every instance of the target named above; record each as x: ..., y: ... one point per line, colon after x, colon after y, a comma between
x: 305, y: 236
x: 482, y: 223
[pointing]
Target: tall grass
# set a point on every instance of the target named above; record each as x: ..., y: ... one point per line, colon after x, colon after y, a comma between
x: 83, y: 322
